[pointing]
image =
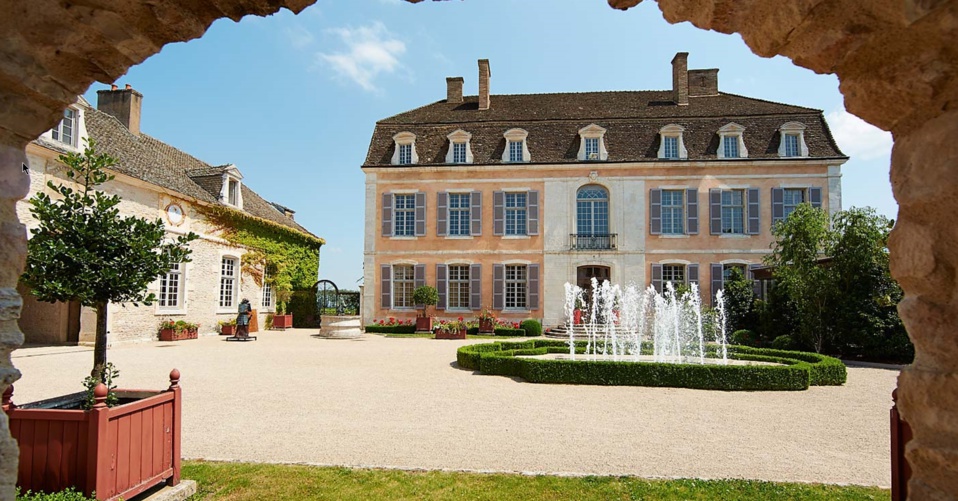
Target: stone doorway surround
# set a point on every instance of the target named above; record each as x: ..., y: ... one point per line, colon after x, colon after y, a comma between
x: 895, y: 60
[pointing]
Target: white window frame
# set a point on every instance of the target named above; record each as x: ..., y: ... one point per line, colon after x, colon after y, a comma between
x: 682, y: 216
x: 518, y: 285
x: 735, y: 132
x: 411, y: 281
x: 516, y: 136
x: 744, y: 206
x: 409, y: 211
x: 673, y: 131
x: 268, y: 301
x: 405, y: 139
x: 797, y: 130
x: 463, y: 139
x: 464, y: 214
x: 460, y: 282
x: 235, y: 281
x: 593, y: 132
x: 179, y: 271
x: 516, y: 211
x: 787, y: 208
x: 232, y: 177
x: 685, y: 273
x: 57, y: 132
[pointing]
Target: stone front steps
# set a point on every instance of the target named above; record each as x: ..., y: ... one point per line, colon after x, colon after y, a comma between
x: 579, y: 332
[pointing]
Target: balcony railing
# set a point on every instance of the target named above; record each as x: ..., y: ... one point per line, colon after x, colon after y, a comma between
x: 592, y: 242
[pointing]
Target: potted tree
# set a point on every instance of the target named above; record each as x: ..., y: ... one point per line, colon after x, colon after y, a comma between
x: 282, y: 319
x: 83, y: 225
x: 424, y: 297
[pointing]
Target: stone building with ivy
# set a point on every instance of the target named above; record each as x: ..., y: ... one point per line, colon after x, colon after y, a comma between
x: 248, y: 247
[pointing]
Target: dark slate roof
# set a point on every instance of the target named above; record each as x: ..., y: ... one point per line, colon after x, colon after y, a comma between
x: 158, y: 163
x: 632, y: 120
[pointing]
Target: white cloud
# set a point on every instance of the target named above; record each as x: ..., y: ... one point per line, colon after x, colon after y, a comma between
x: 370, y: 50
x: 857, y: 138
x: 299, y: 37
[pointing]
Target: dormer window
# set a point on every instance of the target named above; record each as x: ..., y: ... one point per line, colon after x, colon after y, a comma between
x: 731, y: 143
x: 232, y: 191
x: 592, y: 146
x: 672, y: 145
x: 516, y: 150
x: 405, y: 153
x: 460, y: 151
x: 792, y: 142
x: 65, y: 131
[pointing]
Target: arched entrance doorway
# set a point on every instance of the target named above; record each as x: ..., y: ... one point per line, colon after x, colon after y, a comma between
x: 585, y: 274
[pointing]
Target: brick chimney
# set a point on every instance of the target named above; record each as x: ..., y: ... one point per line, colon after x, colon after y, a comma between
x: 123, y: 104
x: 484, y: 75
x: 680, y: 78
x: 703, y: 82
x: 453, y: 89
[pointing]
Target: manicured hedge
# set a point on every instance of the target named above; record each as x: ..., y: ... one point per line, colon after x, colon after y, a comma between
x: 391, y: 329
x: 799, y: 369
x: 510, y: 332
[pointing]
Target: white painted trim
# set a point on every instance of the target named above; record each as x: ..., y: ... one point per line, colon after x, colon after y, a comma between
x: 731, y: 129
x: 793, y: 128
x: 459, y: 237
x: 402, y: 262
x: 672, y: 130
x: 403, y: 191
x: 516, y: 135
x: 735, y: 235
x: 459, y: 262
x: 672, y: 235
x: 404, y: 237
x: 516, y: 261
x: 734, y: 261
x: 516, y: 237
x: 610, y: 179
x: 675, y: 261
x: 459, y: 136
x: 404, y: 138
x: 237, y: 285
x: 592, y: 131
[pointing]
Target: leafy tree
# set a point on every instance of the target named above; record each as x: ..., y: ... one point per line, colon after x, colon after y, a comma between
x: 802, y: 240
x: 84, y: 251
x: 739, y: 296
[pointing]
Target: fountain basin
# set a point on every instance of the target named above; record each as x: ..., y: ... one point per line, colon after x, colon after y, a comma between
x: 781, y: 371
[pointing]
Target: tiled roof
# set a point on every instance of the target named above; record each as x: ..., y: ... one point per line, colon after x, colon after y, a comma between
x: 158, y: 163
x: 632, y: 120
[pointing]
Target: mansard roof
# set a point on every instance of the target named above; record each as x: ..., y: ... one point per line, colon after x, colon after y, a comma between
x: 632, y: 120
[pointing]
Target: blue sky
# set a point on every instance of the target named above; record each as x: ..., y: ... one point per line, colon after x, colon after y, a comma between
x: 292, y: 100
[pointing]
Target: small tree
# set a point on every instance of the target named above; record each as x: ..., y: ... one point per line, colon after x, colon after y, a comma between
x: 424, y: 297
x: 84, y: 251
x: 739, y: 296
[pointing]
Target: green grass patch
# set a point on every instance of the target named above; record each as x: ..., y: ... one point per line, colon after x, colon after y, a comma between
x: 431, y: 336
x: 244, y: 481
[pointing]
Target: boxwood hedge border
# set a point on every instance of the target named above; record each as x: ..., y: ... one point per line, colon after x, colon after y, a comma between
x: 798, y: 370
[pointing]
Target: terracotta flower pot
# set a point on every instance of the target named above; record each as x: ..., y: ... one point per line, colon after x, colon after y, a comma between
x: 227, y: 330
x: 487, y: 326
x: 423, y: 324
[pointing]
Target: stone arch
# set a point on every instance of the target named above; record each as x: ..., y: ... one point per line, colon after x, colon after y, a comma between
x: 894, y: 60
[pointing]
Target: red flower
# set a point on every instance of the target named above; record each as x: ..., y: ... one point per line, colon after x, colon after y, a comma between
x: 460, y: 319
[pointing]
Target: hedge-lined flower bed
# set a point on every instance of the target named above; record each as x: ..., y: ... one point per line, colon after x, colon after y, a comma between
x: 798, y: 371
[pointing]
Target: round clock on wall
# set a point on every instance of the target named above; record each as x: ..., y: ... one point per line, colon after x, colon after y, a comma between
x: 174, y: 214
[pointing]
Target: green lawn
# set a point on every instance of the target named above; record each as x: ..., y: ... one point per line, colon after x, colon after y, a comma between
x: 242, y: 481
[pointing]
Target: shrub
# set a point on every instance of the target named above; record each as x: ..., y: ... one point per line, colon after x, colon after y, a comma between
x: 744, y: 337
x: 510, y: 332
x: 532, y: 327
x: 65, y: 495
x: 783, y: 342
x: 391, y: 329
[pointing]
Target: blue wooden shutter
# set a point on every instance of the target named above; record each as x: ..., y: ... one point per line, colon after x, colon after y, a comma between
x: 756, y: 284
x: 532, y: 210
x: 657, y: 277
x: 715, y: 211
x: 386, y: 286
x: 532, y: 287
x: 692, y: 211
x: 387, y: 214
x: 498, y: 213
x: 420, y: 214
x: 778, y: 205
x: 692, y: 272
x: 475, y: 213
x: 753, y: 212
x: 718, y: 280
x: 815, y: 197
x: 441, y: 286
x: 475, y: 287
x: 498, y: 286
x: 655, y: 212
x: 442, y: 214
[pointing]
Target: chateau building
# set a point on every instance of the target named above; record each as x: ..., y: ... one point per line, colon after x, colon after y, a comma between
x: 499, y: 200
x: 155, y: 180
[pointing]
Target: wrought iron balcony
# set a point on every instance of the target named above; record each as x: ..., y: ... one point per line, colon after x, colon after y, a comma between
x: 593, y: 242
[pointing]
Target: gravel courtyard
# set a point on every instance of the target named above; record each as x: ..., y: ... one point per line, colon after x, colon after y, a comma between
x: 402, y: 403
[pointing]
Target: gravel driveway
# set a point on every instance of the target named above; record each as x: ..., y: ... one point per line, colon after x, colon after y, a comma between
x: 403, y: 403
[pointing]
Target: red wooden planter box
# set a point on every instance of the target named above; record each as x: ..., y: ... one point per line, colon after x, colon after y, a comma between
x: 487, y: 326
x: 444, y: 334
x: 423, y: 324
x: 282, y: 321
x: 227, y: 330
x: 117, y: 452
x: 173, y: 335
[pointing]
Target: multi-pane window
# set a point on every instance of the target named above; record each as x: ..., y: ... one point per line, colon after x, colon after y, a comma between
x: 515, y: 151
x: 459, y: 153
x: 793, y: 197
x: 404, y: 208
x: 671, y: 144
x: 233, y: 192
x: 673, y: 212
x: 733, y: 211
x: 65, y: 130
x: 727, y: 271
x: 405, y: 154
x: 730, y: 146
x: 458, y: 296
x: 515, y: 286
x: 170, y: 287
x: 229, y: 271
x: 459, y: 213
x: 791, y: 145
x: 592, y: 148
x: 515, y: 213
x: 592, y: 211
x: 267, y: 292
x: 674, y: 273
x: 403, y: 286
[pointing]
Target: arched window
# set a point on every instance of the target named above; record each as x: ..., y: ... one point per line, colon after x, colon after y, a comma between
x: 592, y: 217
